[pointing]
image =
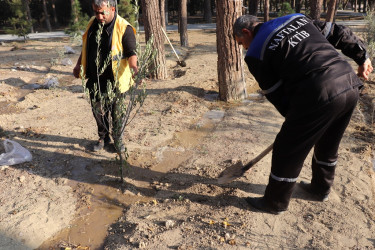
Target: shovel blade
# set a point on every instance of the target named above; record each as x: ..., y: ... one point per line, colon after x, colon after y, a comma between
x: 231, y: 173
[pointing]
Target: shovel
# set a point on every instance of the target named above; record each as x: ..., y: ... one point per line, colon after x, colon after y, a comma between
x: 237, y: 170
x: 179, y: 62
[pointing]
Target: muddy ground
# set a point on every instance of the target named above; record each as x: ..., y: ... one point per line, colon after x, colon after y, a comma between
x: 183, y: 137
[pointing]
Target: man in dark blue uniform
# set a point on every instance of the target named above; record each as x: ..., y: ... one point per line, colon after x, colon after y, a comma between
x: 295, y: 61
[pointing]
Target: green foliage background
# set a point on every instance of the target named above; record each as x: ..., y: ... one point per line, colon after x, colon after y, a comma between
x: 285, y: 9
x: 126, y: 10
x: 20, y: 26
x: 75, y: 27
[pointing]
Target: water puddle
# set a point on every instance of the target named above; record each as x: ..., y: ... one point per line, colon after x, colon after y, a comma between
x: 7, y: 107
x: 106, y: 202
x: 89, y: 229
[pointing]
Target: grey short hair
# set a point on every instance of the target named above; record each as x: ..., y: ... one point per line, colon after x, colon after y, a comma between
x: 244, y: 22
x: 100, y: 2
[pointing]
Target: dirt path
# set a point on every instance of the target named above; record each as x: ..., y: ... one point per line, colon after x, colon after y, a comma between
x: 179, y: 143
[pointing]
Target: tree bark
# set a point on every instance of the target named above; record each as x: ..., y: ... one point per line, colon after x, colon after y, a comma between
x: 253, y: 7
x: 166, y: 12
x: 152, y: 27
x: 183, y: 24
x: 207, y: 11
x: 230, y: 62
x: 364, y: 10
x: 162, y: 14
x: 28, y: 14
x: 54, y: 12
x: 266, y: 10
x: 331, y: 10
x: 298, y: 6
x: 315, y: 9
x: 48, y: 23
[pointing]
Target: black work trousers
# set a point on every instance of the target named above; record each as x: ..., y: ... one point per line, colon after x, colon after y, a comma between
x: 322, y: 129
x: 104, y: 114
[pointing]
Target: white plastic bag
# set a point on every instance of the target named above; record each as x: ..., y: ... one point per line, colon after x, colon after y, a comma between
x: 14, y: 153
x: 66, y: 62
x: 51, y: 83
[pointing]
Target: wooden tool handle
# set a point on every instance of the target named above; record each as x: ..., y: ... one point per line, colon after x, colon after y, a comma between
x: 258, y: 158
x: 165, y: 34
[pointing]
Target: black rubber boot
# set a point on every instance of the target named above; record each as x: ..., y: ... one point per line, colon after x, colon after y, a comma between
x: 99, y: 145
x: 260, y: 204
x: 315, y: 194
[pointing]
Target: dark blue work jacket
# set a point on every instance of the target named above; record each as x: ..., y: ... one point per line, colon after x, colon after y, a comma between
x: 296, y: 63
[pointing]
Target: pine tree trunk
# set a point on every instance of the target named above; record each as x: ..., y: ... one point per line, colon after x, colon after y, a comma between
x: 166, y: 12
x: 298, y: 6
x: 364, y: 10
x: 28, y: 14
x: 331, y: 10
x: 315, y: 9
x: 207, y: 11
x: 54, y: 12
x: 230, y: 62
x: 183, y: 22
x: 253, y: 7
x: 162, y: 14
x: 266, y: 10
x: 152, y: 26
x: 48, y: 23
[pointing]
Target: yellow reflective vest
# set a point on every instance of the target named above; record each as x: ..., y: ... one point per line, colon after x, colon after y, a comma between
x: 123, y: 73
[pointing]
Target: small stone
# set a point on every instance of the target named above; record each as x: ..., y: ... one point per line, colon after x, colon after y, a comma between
x: 141, y: 245
x: 227, y: 237
x: 22, y: 178
x: 3, y: 167
x: 169, y: 224
x: 232, y: 242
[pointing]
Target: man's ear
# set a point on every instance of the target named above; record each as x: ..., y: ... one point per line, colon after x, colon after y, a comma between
x: 246, y: 31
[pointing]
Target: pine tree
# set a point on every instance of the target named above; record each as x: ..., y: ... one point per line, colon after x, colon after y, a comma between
x: 126, y: 10
x: 20, y: 25
x: 78, y: 20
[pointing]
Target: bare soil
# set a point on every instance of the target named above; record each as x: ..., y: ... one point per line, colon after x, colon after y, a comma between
x: 183, y: 137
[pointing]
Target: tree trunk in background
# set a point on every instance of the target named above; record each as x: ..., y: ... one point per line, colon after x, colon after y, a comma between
x: 315, y: 9
x: 183, y: 24
x: 253, y: 7
x: 28, y: 14
x: 364, y: 6
x: 54, y: 12
x: 230, y: 62
x: 266, y: 10
x: 48, y: 23
x: 72, y: 2
x: 207, y: 11
x: 298, y: 6
x: 331, y: 10
x: 152, y: 27
x: 162, y: 14
x: 166, y: 12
